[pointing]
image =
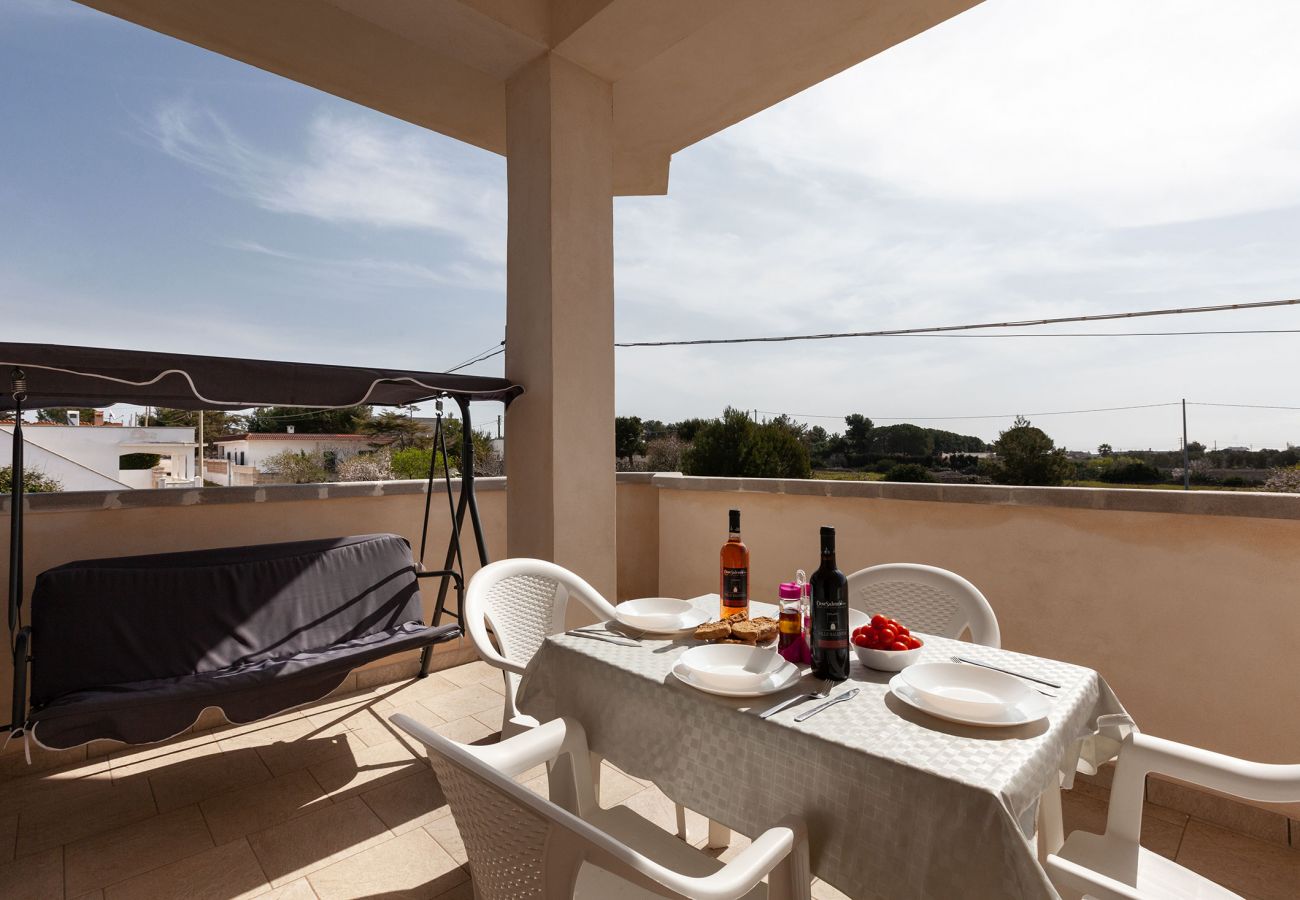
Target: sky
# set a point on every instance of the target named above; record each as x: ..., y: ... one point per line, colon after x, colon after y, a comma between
x: 1022, y: 160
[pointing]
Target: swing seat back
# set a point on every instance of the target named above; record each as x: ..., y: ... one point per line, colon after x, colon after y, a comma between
x: 134, y: 648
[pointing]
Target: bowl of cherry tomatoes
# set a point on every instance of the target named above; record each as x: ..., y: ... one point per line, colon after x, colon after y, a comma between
x: 886, y: 644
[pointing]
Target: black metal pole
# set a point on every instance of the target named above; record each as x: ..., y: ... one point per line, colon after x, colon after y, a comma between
x: 16, y: 507
x: 1187, y: 472
x: 428, y: 487
x: 467, y: 479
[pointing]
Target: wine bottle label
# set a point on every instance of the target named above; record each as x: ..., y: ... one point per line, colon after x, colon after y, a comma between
x: 735, y: 587
x: 831, y: 623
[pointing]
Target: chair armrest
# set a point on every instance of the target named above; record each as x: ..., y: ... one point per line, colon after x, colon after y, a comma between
x: 1142, y: 754
x: 737, y: 878
x: 1088, y: 881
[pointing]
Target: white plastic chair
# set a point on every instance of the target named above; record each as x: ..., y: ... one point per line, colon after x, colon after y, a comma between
x: 1112, y: 865
x: 523, y: 846
x: 522, y: 601
x: 926, y: 599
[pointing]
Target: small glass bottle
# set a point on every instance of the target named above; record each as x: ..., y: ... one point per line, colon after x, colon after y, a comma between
x: 805, y: 610
x: 790, y: 642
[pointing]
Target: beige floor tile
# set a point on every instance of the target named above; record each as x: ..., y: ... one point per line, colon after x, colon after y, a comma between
x: 641, y: 781
x: 409, y: 803
x: 462, y: 891
x: 1084, y: 813
x: 468, y: 730
x: 1256, y: 868
x: 35, y: 877
x: 299, y: 745
x: 110, y: 805
x: 1218, y: 810
x: 444, y: 831
x: 14, y: 763
x: 615, y: 787
x: 116, y: 855
x: 823, y: 891
x: 653, y: 805
x: 471, y: 673
x: 409, y: 866
x: 298, y: 889
x: 493, y: 718
x: 464, y: 701
x: 8, y: 837
x: 420, y: 689
x: 260, y: 806
x: 228, y: 872
x: 317, y: 839
x: 366, y: 769
x: 54, y: 785
x: 195, y: 780
x: 146, y: 758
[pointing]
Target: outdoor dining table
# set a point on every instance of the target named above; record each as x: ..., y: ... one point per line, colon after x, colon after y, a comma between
x: 897, y: 803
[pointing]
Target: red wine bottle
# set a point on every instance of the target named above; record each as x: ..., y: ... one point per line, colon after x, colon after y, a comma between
x: 830, y: 615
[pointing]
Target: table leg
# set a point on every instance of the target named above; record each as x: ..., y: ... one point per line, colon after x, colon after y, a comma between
x: 1051, y: 827
x: 719, y: 835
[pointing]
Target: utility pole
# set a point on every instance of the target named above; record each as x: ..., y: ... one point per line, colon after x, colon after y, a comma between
x: 200, y: 448
x: 1187, y: 472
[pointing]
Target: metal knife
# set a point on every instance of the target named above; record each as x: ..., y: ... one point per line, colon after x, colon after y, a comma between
x: 847, y: 695
x: 610, y: 639
x: 976, y: 662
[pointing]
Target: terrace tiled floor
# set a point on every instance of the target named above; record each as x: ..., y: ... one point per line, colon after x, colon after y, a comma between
x: 332, y: 802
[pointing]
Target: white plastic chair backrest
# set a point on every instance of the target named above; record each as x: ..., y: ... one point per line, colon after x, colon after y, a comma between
x: 926, y: 599
x: 520, y: 845
x: 523, y: 601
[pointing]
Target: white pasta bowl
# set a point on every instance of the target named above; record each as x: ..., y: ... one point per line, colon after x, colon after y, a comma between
x: 967, y: 690
x: 657, y: 614
x: 737, y: 667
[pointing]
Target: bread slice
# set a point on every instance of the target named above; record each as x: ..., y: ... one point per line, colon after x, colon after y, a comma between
x: 713, y: 631
x: 746, y: 631
x: 768, y: 628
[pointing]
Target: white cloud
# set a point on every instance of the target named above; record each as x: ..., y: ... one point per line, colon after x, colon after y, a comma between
x: 1124, y: 113
x: 350, y: 170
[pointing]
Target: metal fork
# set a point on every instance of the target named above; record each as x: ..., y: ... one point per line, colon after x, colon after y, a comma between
x: 811, y: 695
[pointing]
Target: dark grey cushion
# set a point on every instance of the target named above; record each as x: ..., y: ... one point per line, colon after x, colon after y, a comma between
x: 134, y: 648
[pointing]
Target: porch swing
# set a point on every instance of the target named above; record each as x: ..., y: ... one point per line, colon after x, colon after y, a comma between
x: 133, y: 649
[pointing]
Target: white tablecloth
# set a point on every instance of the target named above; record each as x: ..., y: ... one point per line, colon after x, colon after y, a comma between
x: 898, y: 803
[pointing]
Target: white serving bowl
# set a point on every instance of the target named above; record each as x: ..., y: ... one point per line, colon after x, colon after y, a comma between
x: 654, y: 613
x: 967, y: 690
x: 888, y: 660
x: 736, y: 667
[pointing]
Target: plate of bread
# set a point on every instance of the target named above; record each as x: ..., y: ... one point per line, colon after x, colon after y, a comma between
x: 738, y: 629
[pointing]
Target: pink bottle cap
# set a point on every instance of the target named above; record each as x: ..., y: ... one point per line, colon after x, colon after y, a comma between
x: 788, y: 591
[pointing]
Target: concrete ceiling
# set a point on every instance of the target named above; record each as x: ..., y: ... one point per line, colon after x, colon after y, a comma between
x: 681, y: 70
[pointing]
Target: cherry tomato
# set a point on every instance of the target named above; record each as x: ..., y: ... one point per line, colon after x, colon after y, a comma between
x: 887, y: 635
x: 879, y: 621
x: 911, y: 642
x: 902, y: 632
x: 873, y: 639
x: 898, y: 645
x: 860, y: 640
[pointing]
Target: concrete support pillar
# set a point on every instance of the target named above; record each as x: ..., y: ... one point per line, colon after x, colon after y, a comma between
x: 560, y: 320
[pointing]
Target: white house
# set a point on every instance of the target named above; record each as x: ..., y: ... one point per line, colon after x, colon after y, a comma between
x: 255, y: 449
x: 88, y: 457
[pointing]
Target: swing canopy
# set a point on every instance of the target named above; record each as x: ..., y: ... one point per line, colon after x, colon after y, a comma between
x: 135, y: 648
x: 60, y: 376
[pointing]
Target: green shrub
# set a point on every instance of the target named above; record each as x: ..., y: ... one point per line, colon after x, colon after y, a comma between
x: 33, y: 482
x: 909, y: 472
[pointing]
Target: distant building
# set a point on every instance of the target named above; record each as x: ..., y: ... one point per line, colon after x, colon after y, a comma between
x: 254, y: 450
x: 87, y: 457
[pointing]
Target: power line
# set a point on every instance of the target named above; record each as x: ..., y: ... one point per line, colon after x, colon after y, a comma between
x: 1025, y: 323
x: 1243, y: 405
x: 1097, y: 334
x: 477, y: 360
